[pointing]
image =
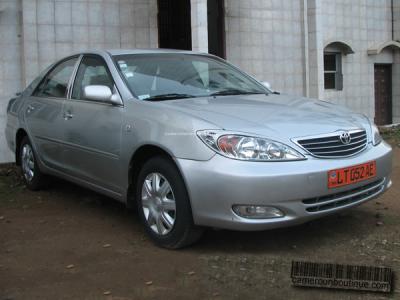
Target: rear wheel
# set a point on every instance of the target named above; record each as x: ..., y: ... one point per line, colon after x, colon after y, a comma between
x: 164, y: 205
x: 34, y: 178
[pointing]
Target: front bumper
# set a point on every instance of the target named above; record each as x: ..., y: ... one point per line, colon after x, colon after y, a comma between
x: 216, y: 185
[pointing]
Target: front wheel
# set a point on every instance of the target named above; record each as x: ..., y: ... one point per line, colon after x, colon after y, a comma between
x: 164, y: 206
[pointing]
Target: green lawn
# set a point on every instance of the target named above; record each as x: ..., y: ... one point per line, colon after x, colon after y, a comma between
x: 391, y: 135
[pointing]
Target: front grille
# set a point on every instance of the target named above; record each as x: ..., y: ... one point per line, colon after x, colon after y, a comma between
x: 330, y: 146
x: 337, y: 200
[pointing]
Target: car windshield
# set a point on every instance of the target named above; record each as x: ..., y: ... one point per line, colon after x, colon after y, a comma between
x: 157, y: 77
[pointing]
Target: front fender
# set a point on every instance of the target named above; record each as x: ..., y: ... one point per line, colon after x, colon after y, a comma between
x: 172, y: 131
x: 147, y: 124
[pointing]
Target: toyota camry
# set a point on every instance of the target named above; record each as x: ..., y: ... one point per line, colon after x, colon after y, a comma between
x: 192, y: 142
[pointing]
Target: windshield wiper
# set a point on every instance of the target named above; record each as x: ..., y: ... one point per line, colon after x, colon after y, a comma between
x: 171, y: 96
x: 234, y: 92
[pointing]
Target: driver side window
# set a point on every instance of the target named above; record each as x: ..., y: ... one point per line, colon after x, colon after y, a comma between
x: 92, y: 71
x: 56, y: 82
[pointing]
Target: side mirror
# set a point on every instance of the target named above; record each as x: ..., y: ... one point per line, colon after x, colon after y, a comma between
x: 267, y: 85
x: 101, y: 93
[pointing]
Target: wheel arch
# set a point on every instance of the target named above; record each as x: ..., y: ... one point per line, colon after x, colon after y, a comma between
x: 21, y: 133
x: 138, y: 159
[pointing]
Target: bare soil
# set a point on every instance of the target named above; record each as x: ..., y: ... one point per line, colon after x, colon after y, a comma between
x: 69, y: 243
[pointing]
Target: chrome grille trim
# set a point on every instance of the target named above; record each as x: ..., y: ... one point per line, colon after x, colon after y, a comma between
x: 363, y: 141
x: 334, y: 139
x: 339, y: 151
x: 337, y: 200
x: 330, y: 145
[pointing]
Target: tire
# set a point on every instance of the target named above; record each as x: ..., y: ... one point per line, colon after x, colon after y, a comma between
x: 33, y: 177
x: 159, y: 187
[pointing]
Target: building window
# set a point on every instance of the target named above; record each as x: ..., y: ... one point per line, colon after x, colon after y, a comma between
x: 333, y: 77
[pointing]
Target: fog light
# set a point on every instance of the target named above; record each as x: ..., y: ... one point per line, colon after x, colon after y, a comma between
x: 389, y: 184
x: 257, y: 212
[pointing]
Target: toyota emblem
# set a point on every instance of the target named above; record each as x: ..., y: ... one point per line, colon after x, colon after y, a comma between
x: 345, y: 138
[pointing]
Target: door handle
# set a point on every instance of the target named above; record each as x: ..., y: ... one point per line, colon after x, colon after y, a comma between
x: 30, y: 108
x: 68, y: 116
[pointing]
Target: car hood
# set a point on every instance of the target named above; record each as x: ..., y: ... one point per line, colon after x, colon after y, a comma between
x: 271, y: 115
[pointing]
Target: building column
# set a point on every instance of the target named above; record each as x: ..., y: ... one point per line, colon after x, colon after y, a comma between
x: 396, y: 20
x: 396, y: 64
x: 315, y: 49
x: 396, y: 87
x: 30, y: 43
x: 199, y: 25
x: 10, y: 65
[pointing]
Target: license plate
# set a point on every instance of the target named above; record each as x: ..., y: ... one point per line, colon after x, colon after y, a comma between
x: 350, y: 175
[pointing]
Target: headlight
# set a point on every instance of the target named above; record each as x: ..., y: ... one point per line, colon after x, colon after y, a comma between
x: 376, y: 136
x: 243, y: 147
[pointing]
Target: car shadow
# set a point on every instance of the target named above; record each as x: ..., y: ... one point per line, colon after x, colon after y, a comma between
x: 331, y: 230
x: 325, y: 232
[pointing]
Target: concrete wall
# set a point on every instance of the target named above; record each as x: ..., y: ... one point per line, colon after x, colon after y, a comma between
x: 396, y: 19
x: 53, y: 29
x: 314, y: 36
x: 199, y: 25
x: 10, y: 63
x: 363, y: 25
x: 396, y: 88
x: 265, y: 38
x: 35, y: 33
x: 396, y: 67
x: 283, y: 42
x: 277, y: 41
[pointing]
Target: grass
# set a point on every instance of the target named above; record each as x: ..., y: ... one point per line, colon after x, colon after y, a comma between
x: 391, y: 135
x: 11, y: 184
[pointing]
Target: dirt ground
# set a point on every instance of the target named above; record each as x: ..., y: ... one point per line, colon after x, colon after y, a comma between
x: 70, y: 243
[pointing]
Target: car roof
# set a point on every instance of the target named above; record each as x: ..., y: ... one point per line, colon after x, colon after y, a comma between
x: 149, y: 51
x: 113, y: 52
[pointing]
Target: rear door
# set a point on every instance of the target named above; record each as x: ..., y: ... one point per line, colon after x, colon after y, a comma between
x: 44, y: 113
x: 93, y: 129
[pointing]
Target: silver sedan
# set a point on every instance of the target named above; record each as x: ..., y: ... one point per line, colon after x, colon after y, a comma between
x: 193, y: 142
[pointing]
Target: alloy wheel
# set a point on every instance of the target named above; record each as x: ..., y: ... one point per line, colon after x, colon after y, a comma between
x: 158, y: 203
x: 28, y: 162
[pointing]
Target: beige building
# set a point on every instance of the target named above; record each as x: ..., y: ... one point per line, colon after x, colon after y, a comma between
x: 343, y: 51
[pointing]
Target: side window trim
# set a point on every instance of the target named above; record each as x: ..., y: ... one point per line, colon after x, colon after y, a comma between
x: 73, y: 76
x: 33, y: 94
x: 76, y: 73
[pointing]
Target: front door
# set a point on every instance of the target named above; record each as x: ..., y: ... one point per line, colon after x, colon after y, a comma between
x: 383, y: 94
x: 43, y: 113
x: 93, y: 129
